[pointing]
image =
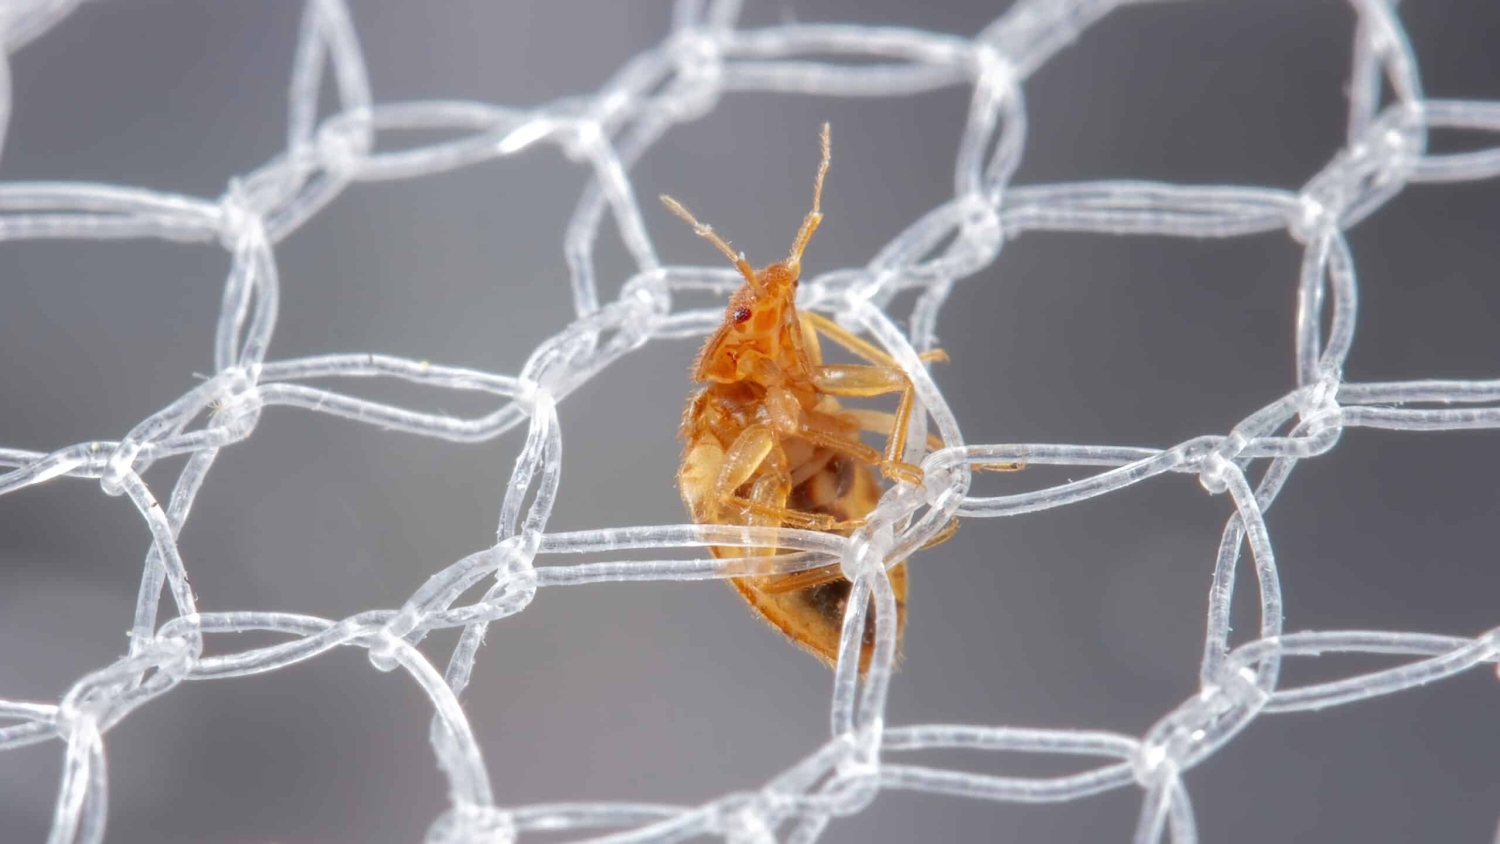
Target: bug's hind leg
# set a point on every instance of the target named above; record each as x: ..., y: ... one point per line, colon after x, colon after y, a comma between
x: 786, y: 517
x: 802, y: 580
x: 943, y: 535
x: 881, y: 422
x: 830, y: 574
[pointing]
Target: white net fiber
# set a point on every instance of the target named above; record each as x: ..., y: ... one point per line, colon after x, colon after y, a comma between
x: 1216, y: 382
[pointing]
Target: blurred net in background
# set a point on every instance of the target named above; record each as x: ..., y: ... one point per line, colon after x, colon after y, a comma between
x: 331, y: 146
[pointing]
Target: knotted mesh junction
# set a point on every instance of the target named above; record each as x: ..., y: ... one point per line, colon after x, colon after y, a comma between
x: 702, y: 57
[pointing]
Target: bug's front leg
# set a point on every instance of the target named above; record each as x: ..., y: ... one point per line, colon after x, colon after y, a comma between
x: 819, y: 325
x: 884, y: 423
x: 864, y: 381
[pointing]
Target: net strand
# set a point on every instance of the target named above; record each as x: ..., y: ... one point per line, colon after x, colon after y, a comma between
x: 679, y: 80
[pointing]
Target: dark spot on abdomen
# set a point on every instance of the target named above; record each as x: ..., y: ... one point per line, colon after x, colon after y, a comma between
x: 831, y: 600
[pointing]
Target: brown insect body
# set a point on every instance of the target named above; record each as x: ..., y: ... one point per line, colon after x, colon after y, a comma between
x: 801, y: 477
x: 767, y: 442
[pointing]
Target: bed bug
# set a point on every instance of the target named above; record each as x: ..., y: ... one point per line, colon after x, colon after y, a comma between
x: 767, y: 442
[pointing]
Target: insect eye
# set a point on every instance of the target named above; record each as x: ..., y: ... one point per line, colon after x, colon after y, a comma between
x: 741, y: 314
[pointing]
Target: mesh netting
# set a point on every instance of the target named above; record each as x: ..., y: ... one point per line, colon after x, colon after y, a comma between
x: 702, y: 57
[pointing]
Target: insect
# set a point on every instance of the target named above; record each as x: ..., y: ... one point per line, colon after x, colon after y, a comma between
x: 767, y: 442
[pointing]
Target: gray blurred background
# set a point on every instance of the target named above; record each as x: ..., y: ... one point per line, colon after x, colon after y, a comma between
x: 1089, y: 617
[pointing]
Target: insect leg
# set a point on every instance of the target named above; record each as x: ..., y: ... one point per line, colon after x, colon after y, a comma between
x: 943, y: 535
x: 880, y: 422
x: 853, y: 380
x: 767, y: 495
x: 698, y: 476
x: 794, y: 518
x: 857, y: 345
x: 1008, y: 466
x: 754, y: 447
x: 828, y: 574
x: 802, y: 580
x: 852, y: 343
x: 810, y: 343
x: 883, y: 423
x: 742, y: 459
x: 824, y: 431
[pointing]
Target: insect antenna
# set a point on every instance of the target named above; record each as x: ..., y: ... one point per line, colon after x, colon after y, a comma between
x: 815, y: 216
x: 707, y: 232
